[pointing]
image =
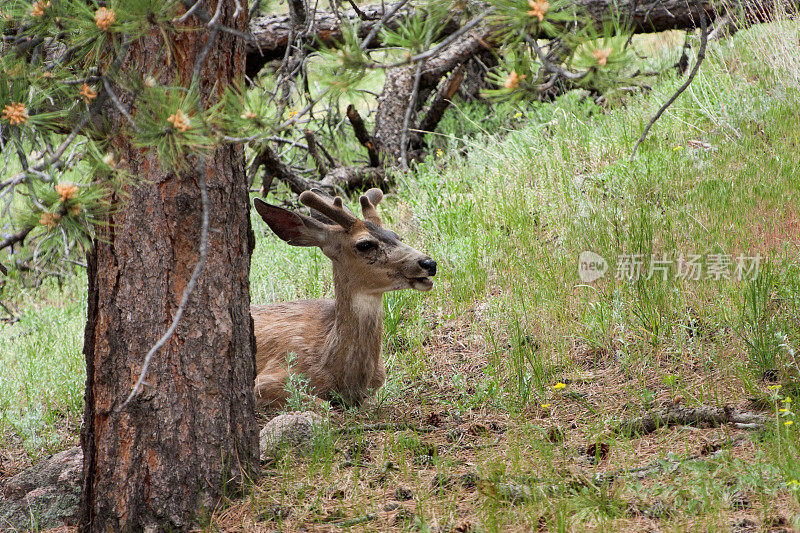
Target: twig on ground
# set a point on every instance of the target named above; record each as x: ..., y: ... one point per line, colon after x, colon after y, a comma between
x: 698, y: 416
x: 384, y: 426
x: 701, y: 54
x: 356, y: 521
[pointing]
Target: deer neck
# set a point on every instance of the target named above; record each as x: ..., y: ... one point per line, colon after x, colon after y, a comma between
x: 353, y: 345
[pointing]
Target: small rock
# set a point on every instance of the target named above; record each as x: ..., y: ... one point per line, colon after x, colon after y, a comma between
x: 273, y: 514
x: 433, y: 419
x: 454, y: 435
x: 295, y: 430
x: 469, y: 480
x: 47, y: 494
x: 403, y: 494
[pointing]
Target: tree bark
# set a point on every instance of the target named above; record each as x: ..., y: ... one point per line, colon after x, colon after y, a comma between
x: 396, y: 94
x: 191, y: 433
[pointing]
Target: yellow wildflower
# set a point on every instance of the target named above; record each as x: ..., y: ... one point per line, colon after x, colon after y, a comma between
x: 788, y: 423
x: 601, y: 55
x: 788, y: 399
x: 545, y: 405
x: 104, y: 18
x: 538, y: 8
x: 180, y: 121
x: 292, y: 112
x: 782, y: 410
x: 559, y: 385
x: 774, y: 387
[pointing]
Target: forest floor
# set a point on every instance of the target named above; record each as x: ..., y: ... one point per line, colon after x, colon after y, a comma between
x: 509, y: 382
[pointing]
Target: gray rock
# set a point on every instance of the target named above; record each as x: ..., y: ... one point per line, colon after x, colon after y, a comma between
x: 44, y: 496
x: 293, y: 430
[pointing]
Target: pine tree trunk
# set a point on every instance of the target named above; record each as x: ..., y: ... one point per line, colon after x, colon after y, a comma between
x: 191, y: 435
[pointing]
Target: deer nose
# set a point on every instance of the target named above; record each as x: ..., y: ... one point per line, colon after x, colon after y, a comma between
x: 429, y: 265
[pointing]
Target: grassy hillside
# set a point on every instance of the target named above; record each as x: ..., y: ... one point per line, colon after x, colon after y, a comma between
x: 512, y: 376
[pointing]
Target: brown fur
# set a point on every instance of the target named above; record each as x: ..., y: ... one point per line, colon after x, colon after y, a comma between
x: 337, y: 342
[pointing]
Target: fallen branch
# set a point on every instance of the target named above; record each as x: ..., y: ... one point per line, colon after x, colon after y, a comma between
x: 274, y: 167
x: 15, y: 238
x: 355, y: 178
x: 703, y: 416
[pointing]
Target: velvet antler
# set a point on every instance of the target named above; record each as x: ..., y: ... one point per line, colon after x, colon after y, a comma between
x: 368, y: 201
x: 335, y: 211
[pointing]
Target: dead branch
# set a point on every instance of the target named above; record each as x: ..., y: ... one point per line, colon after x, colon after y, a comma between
x: 15, y: 238
x: 363, y: 135
x: 274, y: 167
x: 322, y: 168
x: 272, y: 34
x: 701, y: 54
x: 355, y: 178
x: 441, y: 101
x: 703, y: 416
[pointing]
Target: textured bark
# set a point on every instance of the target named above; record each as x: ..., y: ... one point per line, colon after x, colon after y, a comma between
x: 271, y: 33
x: 355, y: 178
x: 441, y: 100
x: 191, y: 432
x: 363, y: 136
x: 399, y: 84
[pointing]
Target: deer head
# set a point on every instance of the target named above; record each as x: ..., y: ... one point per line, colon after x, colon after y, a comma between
x: 371, y: 258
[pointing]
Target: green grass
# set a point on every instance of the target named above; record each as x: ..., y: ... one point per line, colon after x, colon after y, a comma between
x: 476, y: 359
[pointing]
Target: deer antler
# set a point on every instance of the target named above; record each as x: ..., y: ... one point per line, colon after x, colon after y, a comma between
x: 368, y: 201
x: 335, y: 212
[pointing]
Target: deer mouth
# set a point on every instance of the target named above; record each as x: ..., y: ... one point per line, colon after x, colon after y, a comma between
x: 422, y: 283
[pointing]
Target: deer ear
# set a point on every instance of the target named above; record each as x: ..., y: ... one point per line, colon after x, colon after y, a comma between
x: 294, y: 228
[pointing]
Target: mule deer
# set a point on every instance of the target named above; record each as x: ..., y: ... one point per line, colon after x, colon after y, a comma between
x: 337, y: 342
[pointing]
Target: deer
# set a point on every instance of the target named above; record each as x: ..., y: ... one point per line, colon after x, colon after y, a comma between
x: 336, y: 343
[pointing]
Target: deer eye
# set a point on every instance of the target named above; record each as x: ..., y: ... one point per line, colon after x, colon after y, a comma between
x: 365, y: 246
